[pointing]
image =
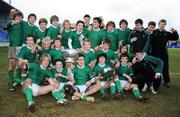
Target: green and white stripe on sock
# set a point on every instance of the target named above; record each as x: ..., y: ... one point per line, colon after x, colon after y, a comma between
x: 136, y: 92
x: 112, y: 88
x: 57, y: 95
x: 29, y: 93
x: 118, y: 85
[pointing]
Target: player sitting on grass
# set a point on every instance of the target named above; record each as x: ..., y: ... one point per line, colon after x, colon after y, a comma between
x: 106, y: 79
x: 84, y: 86
x: 126, y: 78
x: 61, y: 75
x: 33, y: 85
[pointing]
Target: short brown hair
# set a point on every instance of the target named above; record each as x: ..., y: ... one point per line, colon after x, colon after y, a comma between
x: 43, y: 20
x: 110, y: 23
x: 18, y: 13
x: 162, y: 21
x: 54, y: 18
x: 152, y: 23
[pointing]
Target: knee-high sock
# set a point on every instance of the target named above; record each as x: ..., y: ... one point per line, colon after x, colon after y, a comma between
x: 112, y: 88
x: 18, y: 76
x: 118, y: 85
x: 10, y: 77
x: 102, y: 91
x: 28, y: 93
x: 57, y: 94
x: 136, y: 92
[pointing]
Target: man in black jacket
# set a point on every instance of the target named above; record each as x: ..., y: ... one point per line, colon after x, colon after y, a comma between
x: 147, y: 69
x: 158, y: 47
x: 138, y: 37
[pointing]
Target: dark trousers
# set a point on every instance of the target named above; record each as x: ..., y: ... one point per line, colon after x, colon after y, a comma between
x: 165, y: 58
x: 149, y: 79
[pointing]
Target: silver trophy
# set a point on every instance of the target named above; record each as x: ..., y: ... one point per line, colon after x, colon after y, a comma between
x: 70, y: 55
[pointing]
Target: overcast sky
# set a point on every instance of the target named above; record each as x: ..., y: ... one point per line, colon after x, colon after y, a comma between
x: 109, y: 9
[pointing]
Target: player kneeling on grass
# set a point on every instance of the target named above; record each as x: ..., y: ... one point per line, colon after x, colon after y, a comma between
x: 106, y: 79
x: 84, y: 86
x: 33, y: 85
x: 126, y: 79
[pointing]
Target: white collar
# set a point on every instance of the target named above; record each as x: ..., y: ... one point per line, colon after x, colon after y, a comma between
x: 28, y: 47
x: 101, y: 65
x: 96, y: 29
x: 57, y: 48
x: 54, y: 26
x: 30, y: 24
x: 42, y: 67
x: 81, y: 67
x: 111, y: 31
x: 122, y: 29
x: 59, y: 70
x: 124, y: 64
x: 41, y: 30
x: 86, y: 51
x: 67, y: 30
x: 78, y: 32
x: 105, y: 50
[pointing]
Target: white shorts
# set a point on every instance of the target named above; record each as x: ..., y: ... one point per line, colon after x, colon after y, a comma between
x: 102, y: 83
x: 35, y: 89
x: 82, y: 88
x: 123, y: 83
x: 61, y: 85
x: 13, y: 52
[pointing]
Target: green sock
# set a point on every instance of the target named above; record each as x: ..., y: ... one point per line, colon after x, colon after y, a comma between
x: 112, y: 88
x: 19, y: 81
x: 136, y: 92
x: 61, y: 90
x: 84, y: 98
x: 102, y: 91
x: 18, y: 75
x: 57, y: 95
x: 10, y: 77
x: 118, y: 85
x: 28, y: 92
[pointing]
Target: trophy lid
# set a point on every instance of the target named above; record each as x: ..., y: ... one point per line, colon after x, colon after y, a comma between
x: 71, y: 60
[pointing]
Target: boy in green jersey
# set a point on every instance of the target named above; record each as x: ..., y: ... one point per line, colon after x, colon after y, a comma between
x: 75, y: 40
x: 33, y: 85
x: 124, y: 32
x: 96, y: 35
x: 14, y: 29
x: 53, y: 30
x: 29, y: 27
x: 84, y: 85
x: 126, y: 78
x: 88, y: 53
x: 65, y: 32
x: 112, y: 35
x: 56, y: 52
x: 27, y: 53
x: 40, y: 32
x: 112, y: 57
x: 106, y: 79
